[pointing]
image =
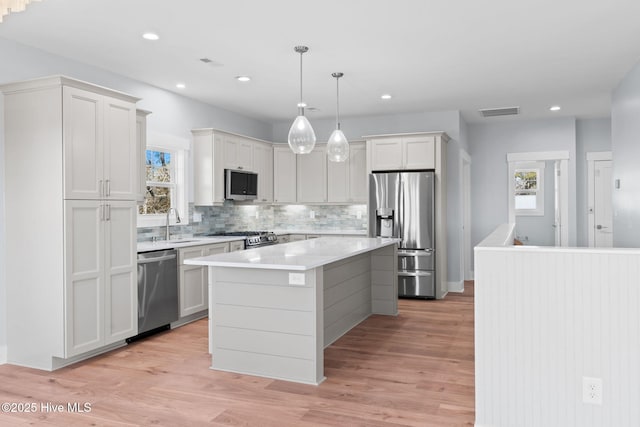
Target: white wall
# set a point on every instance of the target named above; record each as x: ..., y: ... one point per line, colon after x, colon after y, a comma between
x: 172, y: 114
x: 625, y: 144
x: 591, y: 135
x: 490, y: 143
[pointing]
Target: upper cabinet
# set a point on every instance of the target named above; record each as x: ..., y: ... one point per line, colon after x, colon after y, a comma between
x: 284, y: 174
x: 283, y: 177
x: 263, y: 166
x: 397, y: 152
x: 215, y: 150
x: 312, y: 176
x: 347, y: 181
x: 99, y: 148
x: 238, y: 152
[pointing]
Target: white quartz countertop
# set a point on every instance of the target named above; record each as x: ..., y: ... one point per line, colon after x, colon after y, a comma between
x: 185, y: 242
x: 301, y: 255
x: 362, y: 233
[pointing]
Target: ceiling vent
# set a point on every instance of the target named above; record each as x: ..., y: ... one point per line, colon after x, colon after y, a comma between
x: 211, y: 62
x: 495, y: 112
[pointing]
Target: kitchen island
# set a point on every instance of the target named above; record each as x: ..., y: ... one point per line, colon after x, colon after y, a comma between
x: 273, y: 310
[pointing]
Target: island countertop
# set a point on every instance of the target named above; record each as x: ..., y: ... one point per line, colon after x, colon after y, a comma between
x: 301, y: 255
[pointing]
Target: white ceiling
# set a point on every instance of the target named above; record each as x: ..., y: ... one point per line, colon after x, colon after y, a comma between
x: 431, y: 55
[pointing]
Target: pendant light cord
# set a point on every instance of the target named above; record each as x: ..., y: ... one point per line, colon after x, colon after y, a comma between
x: 337, y: 102
x: 301, y: 108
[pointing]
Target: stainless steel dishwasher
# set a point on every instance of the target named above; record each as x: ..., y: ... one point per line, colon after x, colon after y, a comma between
x: 157, y: 289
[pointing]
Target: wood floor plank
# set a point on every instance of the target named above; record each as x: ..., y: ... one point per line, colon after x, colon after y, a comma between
x: 416, y: 369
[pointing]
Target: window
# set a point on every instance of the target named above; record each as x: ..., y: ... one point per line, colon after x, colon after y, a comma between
x: 161, y: 183
x: 166, y: 183
x: 529, y: 188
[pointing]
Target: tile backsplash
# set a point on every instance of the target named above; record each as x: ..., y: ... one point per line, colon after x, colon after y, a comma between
x: 241, y: 217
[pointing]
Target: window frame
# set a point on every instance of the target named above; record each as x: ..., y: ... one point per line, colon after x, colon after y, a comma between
x: 180, y: 154
x: 539, y: 169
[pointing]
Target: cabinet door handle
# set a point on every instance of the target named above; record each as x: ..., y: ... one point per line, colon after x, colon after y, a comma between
x: 101, y: 212
x: 108, y: 187
x: 108, y: 214
x: 101, y: 189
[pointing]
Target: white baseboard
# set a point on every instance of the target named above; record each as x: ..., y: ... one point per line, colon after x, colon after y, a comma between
x: 456, y: 286
x: 3, y: 354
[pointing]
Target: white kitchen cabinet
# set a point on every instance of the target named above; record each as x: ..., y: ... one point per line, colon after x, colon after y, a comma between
x: 263, y: 166
x: 100, y: 284
x: 284, y: 238
x: 100, y: 150
x: 192, y: 279
x: 284, y: 174
x: 236, y: 246
x: 208, y: 170
x: 141, y: 142
x: 312, y: 176
x: 215, y: 150
x: 400, y: 152
x: 80, y: 298
x: 347, y: 181
x: 238, y: 152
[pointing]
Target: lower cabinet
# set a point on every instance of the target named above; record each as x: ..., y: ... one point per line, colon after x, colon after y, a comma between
x: 101, y: 274
x: 192, y: 279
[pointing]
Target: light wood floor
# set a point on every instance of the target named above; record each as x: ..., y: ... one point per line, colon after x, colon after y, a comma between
x: 416, y: 369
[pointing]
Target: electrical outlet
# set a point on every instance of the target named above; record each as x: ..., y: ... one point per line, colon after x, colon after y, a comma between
x: 359, y: 215
x: 592, y: 390
x: 312, y: 214
x: 257, y: 214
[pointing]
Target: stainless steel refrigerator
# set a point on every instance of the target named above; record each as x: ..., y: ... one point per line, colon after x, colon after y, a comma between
x: 401, y: 204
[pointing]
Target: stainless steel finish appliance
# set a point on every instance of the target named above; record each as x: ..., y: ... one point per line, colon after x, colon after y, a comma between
x: 240, y: 185
x: 401, y: 205
x: 157, y: 289
x: 252, y: 239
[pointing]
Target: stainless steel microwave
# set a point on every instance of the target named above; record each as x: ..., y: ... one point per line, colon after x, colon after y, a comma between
x: 240, y: 185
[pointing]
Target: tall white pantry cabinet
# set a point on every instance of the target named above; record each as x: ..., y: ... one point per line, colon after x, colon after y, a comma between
x: 71, y: 165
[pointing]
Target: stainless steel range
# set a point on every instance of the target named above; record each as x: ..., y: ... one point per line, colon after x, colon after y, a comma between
x: 252, y: 239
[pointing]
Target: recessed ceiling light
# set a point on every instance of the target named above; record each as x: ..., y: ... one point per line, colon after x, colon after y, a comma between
x: 243, y: 78
x: 555, y: 108
x: 386, y: 96
x: 180, y: 85
x: 150, y: 36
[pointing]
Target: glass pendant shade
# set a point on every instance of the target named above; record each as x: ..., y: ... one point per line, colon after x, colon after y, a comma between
x: 337, y: 147
x: 301, y: 138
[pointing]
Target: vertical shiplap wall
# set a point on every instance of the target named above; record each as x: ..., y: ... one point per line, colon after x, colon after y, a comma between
x: 545, y: 318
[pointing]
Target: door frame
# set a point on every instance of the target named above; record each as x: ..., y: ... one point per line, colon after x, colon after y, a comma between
x: 593, y: 157
x: 466, y: 253
x: 559, y: 156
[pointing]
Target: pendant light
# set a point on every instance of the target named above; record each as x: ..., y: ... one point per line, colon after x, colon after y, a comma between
x: 301, y: 138
x: 338, y: 146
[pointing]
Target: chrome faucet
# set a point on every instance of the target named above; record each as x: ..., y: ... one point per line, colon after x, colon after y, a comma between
x: 167, y: 236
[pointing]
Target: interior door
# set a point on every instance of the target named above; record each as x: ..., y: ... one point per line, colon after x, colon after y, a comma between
x: 603, y: 204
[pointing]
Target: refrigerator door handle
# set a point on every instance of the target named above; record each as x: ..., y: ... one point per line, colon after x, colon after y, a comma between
x: 421, y: 252
x: 415, y: 273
